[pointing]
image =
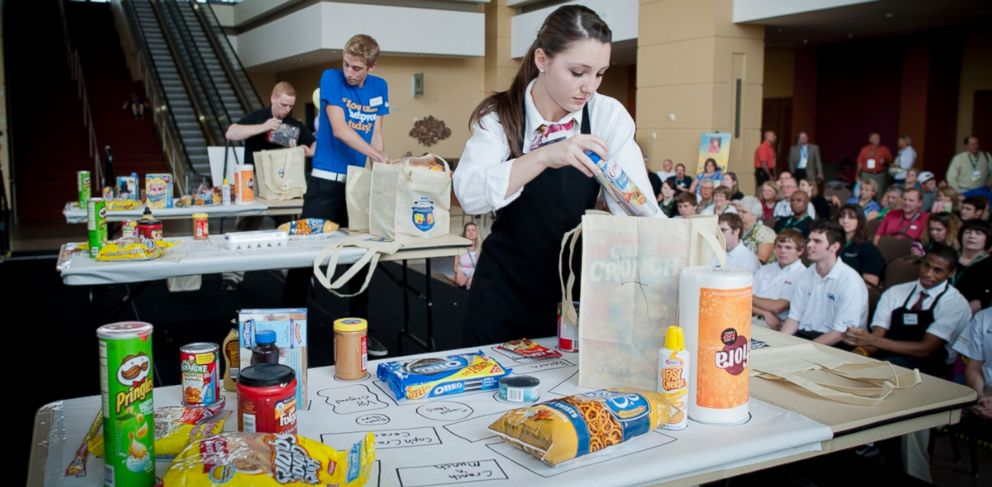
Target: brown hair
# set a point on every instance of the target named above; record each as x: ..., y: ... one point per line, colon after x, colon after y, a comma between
x: 283, y: 88
x: 858, y: 213
x: 687, y: 198
x: 733, y: 220
x: 364, y: 47
x: 565, y: 25
x: 792, y: 235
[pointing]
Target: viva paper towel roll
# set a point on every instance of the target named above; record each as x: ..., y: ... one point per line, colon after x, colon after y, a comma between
x: 715, y: 311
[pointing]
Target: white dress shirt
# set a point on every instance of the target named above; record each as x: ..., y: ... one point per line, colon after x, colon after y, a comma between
x: 951, y: 314
x: 742, y: 259
x: 834, y: 302
x: 784, y: 210
x: 976, y: 343
x: 772, y: 281
x: 904, y: 161
x: 665, y: 175
x: 483, y: 173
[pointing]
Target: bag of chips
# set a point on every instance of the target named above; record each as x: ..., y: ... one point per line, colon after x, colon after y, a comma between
x: 309, y: 227
x: 563, y: 429
x: 175, y: 427
x: 270, y: 460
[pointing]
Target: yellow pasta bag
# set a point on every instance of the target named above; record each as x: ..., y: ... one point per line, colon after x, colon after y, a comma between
x: 269, y: 460
x: 562, y: 429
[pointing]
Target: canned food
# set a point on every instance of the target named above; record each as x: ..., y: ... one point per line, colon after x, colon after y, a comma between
x: 201, y: 227
x: 83, y: 188
x: 267, y: 399
x: 518, y: 388
x: 126, y: 378
x: 201, y: 376
x: 568, y: 333
x: 96, y: 224
x: 150, y: 228
x: 129, y: 229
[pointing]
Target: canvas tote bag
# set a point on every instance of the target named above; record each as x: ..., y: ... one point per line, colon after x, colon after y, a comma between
x: 280, y: 173
x: 410, y: 198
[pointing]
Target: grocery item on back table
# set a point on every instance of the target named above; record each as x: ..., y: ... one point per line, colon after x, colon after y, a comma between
x: 290, y: 328
x: 308, y: 228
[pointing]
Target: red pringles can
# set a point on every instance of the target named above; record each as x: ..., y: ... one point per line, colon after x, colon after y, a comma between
x: 267, y: 399
x: 201, y: 227
x: 568, y: 333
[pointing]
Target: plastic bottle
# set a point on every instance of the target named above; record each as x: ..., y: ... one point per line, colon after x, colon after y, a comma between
x: 231, y: 349
x: 265, y: 350
x: 673, y: 378
x: 225, y: 192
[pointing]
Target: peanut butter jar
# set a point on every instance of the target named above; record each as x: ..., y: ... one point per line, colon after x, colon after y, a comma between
x: 350, y: 352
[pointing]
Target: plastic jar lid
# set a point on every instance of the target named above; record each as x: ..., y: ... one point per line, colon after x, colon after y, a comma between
x: 264, y: 375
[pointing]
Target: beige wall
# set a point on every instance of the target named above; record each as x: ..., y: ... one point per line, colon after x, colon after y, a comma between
x: 452, y: 88
x: 779, y: 72
x: 689, y: 54
x: 976, y: 74
x: 616, y: 83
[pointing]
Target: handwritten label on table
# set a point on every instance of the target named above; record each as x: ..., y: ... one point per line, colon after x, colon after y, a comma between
x: 372, y: 419
x: 352, y: 399
x: 551, y: 364
x: 445, y: 411
x: 450, y: 473
x: 384, y: 440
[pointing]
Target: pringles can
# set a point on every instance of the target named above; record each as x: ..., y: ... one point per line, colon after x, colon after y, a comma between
x: 83, y: 188
x: 126, y: 379
x: 96, y: 224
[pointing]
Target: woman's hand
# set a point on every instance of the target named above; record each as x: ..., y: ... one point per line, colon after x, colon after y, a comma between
x: 571, y: 152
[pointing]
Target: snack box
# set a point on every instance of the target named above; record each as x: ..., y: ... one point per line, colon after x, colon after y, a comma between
x: 158, y: 190
x: 441, y: 376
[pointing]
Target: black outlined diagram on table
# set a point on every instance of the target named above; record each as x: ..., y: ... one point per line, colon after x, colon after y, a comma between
x: 444, y: 410
x: 356, y: 398
x: 387, y: 439
x: 373, y: 419
x: 450, y: 473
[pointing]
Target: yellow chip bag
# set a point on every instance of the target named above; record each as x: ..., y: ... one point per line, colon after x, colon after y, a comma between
x: 175, y: 427
x: 562, y: 429
x: 269, y: 460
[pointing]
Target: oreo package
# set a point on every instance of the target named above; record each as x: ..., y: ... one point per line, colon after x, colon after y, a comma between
x: 441, y: 376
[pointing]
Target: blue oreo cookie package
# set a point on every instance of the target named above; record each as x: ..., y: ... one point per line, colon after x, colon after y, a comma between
x: 441, y: 376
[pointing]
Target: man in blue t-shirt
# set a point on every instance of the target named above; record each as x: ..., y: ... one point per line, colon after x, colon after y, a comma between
x: 352, y: 104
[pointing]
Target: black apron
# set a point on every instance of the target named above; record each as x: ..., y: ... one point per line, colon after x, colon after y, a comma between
x: 911, y: 326
x: 516, y: 289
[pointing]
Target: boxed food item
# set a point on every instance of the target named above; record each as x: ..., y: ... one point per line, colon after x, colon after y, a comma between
x: 441, y: 376
x: 284, y: 135
x: 127, y: 187
x: 158, y: 190
x: 290, y: 326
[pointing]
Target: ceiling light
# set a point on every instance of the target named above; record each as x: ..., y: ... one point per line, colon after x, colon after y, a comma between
x: 890, y: 15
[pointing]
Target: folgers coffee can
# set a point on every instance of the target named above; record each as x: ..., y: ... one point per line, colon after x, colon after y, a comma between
x: 568, y: 333
x: 267, y: 399
x: 126, y: 378
x: 201, y: 226
x: 199, y: 365
x: 96, y: 224
x: 150, y: 229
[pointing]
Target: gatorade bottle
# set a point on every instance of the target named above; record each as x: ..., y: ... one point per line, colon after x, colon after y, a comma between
x: 673, y: 378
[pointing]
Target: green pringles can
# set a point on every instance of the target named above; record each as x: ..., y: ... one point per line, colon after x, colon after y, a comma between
x: 83, y: 187
x: 126, y: 378
x: 96, y: 224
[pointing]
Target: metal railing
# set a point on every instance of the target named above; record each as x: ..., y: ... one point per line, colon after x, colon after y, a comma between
x: 76, y: 72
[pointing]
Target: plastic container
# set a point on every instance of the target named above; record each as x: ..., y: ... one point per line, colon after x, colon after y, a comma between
x: 265, y: 350
x: 350, y: 349
x: 267, y: 399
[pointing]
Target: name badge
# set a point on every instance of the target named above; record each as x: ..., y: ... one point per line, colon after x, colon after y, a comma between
x: 870, y: 164
x: 975, y: 175
x: 374, y: 102
x: 910, y: 319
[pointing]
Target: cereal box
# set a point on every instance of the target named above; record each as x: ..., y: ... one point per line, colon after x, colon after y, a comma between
x: 158, y: 190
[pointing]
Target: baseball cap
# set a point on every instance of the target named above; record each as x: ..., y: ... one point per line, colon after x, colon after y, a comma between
x: 924, y: 177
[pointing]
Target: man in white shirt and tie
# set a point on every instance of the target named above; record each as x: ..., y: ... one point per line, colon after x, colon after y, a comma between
x: 830, y: 297
x: 774, y: 283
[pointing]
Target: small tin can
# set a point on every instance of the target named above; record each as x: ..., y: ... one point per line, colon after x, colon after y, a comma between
x: 519, y: 388
x: 129, y: 229
x: 267, y: 399
x: 83, y: 188
x: 568, y: 333
x: 201, y: 227
x: 201, y: 374
x: 96, y: 224
x: 126, y: 378
x: 151, y: 229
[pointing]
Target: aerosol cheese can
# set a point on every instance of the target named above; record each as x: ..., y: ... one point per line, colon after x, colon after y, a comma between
x: 673, y: 378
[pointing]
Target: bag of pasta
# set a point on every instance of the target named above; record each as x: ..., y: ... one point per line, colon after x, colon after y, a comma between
x: 269, y: 460
x: 563, y: 429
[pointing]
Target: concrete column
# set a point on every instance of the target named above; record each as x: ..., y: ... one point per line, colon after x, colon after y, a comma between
x: 689, y: 57
x: 500, y: 67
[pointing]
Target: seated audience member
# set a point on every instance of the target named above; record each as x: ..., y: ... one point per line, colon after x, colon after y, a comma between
x: 739, y: 257
x: 783, y: 176
x: 983, y: 191
x: 721, y: 202
x: 774, y: 283
x: 859, y: 253
x: 912, y: 180
x: 681, y: 180
x: 711, y: 172
x: 667, y: 200
x: 976, y: 344
x: 820, y: 205
x: 730, y: 181
x: 942, y: 228
x: 829, y: 297
x: 915, y: 322
x: 907, y: 222
x: 667, y: 170
x: 972, y: 278
x: 891, y: 200
x: 866, y: 200
x: 947, y: 200
x: 706, y: 203
x: 928, y: 189
x: 465, y: 264
x: 973, y: 208
x: 654, y: 180
x: 757, y: 237
x: 783, y: 208
x: 800, y: 219
x: 686, y: 204
x: 768, y: 194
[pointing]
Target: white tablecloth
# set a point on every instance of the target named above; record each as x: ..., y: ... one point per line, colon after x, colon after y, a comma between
x: 74, y: 214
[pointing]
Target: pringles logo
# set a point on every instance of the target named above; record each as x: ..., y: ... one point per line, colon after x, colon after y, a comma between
x: 422, y: 214
x: 733, y: 357
x: 133, y: 374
